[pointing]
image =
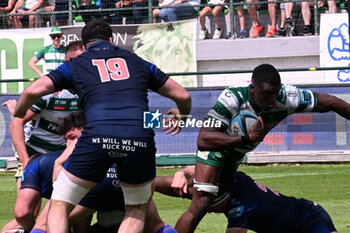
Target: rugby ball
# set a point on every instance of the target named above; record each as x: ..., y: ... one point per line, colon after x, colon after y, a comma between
x: 240, y: 125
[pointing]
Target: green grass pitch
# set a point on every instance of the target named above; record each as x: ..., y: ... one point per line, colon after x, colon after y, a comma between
x: 326, y: 184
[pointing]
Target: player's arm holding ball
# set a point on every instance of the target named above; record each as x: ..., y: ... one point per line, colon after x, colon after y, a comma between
x: 215, y: 138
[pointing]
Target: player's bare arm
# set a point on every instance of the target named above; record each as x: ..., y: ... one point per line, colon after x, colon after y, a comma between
x: 214, y: 138
x: 17, y: 135
x: 177, y: 185
x: 328, y: 103
x: 17, y: 132
x: 182, y: 180
x: 62, y: 159
x: 163, y: 185
x: 32, y: 93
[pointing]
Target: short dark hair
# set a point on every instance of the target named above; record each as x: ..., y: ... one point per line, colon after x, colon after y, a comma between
x: 96, y: 30
x: 76, y: 45
x: 74, y: 120
x: 266, y: 73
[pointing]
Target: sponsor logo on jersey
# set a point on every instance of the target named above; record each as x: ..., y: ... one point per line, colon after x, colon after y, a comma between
x: 61, y: 108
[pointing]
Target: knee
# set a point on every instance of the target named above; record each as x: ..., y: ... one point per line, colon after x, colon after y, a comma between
x: 23, y: 214
x: 201, y: 202
x: 136, y: 211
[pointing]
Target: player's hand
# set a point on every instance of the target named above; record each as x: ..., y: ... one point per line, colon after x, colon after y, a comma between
x: 257, y: 132
x: 172, y: 124
x: 179, y: 184
x: 11, y: 105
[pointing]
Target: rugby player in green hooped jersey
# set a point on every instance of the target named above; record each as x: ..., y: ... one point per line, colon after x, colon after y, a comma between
x: 43, y: 118
x: 272, y: 102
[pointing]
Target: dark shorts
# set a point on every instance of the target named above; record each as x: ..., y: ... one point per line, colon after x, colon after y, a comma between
x: 314, y: 219
x: 105, y: 196
x: 31, y: 179
x: 94, y: 155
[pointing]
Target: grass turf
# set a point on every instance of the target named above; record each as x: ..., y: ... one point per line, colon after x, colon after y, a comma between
x: 327, y: 185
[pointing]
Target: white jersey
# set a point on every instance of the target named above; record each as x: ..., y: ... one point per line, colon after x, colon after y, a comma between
x: 51, y: 110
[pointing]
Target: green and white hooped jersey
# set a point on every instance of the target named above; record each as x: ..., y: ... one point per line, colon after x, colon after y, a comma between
x: 53, y: 57
x: 290, y: 100
x: 51, y: 110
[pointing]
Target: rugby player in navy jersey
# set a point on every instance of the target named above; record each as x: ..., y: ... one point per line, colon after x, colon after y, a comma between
x: 251, y: 205
x: 106, y: 198
x: 112, y: 85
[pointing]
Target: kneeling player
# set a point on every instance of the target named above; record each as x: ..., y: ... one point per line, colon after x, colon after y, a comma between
x: 251, y: 205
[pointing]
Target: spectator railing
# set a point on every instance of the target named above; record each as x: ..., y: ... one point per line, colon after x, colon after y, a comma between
x: 215, y: 72
x: 231, y: 5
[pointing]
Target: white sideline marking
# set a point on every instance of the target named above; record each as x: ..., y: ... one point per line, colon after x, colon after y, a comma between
x: 267, y: 176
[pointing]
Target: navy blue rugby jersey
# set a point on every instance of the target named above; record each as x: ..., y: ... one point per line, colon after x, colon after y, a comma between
x: 260, y: 208
x: 105, y: 196
x: 112, y: 84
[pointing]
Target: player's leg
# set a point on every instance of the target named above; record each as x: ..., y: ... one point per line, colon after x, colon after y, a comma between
x: 136, y: 173
x: 137, y: 199
x: 205, y: 188
x: 154, y: 223
x: 85, y: 167
x: 80, y: 219
x: 13, y: 223
x: 80, y: 213
x: 10, y: 225
x: 68, y: 191
x: 25, y: 207
x: 40, y: 224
